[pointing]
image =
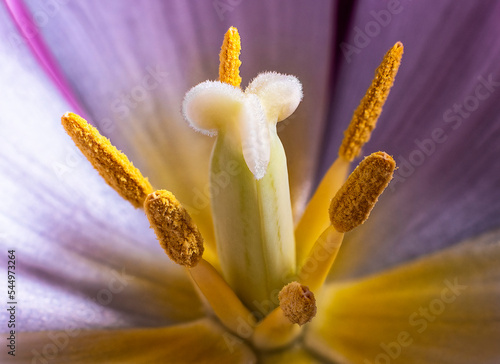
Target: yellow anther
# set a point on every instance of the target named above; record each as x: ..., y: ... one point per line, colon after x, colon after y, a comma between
x: 112, y: 165
x: 352, y: 204
x: 229, y: 67
x: 176, y: 232
x: 298, y: 303
x: 366, y: 115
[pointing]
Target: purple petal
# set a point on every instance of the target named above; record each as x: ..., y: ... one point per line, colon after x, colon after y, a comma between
x: 28, y: 31
x: 79, y: 246
x: 447, y: 185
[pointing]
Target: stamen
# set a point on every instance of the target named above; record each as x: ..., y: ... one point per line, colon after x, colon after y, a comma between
x: 366, y: 115
x: 318, y: 263
x: 315, y: 218
x: 112, y: 165
x: 298, y: 303
x: 222, y: 299
x: 229, y: 67
x: 177, y: 233
x: 279, y: 329
x: 353, y: 203
x: 275, y: 331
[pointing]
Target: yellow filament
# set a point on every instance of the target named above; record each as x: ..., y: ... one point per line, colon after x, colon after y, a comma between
x: 223, y: 301
x: 176, y: 232
x: 353, y: 203
x: 366, y: 115
x: 229, y: 67
x: 275, y: 331
x: 315, y: 218
x: 112, y: 165
x: 317, y: 265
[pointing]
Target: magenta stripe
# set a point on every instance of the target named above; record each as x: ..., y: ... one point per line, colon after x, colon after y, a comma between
x: 31, y: 34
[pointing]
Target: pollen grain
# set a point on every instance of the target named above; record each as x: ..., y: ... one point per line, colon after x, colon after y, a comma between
x: 298, y: 303
x: 176, y: 232
x: 367, y: 113
x: 112, y: 165
x: 352, y: 204
x: 229, y: 67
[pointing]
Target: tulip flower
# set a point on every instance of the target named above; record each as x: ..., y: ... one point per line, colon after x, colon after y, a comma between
x: 166, y: 199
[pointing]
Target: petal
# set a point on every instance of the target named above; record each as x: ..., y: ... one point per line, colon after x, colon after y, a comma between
x: 198, y: 342
x: 295, y: 355
x: 27, y: 27
x: 131, y: 63
x: 446, y: 187
x: 442, y: 308
x: 85, y: 255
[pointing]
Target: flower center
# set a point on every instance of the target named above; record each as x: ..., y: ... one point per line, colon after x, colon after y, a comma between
x: 269, y: 269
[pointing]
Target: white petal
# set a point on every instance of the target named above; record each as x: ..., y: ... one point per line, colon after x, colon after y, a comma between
x: 280, y: 94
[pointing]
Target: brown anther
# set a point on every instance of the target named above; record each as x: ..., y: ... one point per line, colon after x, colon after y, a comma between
x: 176, y: 232
x: 352, y: 204
x: 297, y: 303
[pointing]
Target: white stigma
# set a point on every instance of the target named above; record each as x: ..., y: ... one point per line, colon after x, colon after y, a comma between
x: 214, y: 106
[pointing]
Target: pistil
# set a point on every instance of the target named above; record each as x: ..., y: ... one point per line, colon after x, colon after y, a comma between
x: 252, y: 214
